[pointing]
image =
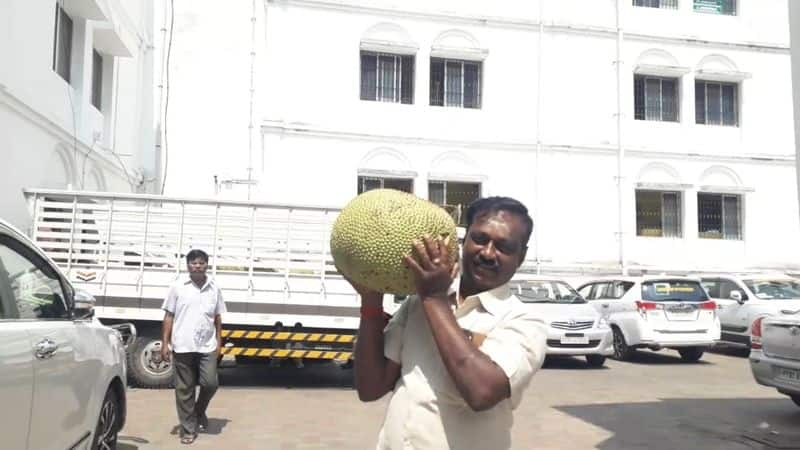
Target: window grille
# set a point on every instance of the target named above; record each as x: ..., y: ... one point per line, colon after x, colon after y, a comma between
x: 658, y: 214
x: 387, y: 77
x: 655, y: 98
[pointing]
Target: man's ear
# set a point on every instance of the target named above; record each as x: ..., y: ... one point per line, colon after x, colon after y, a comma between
x: 522, y: 256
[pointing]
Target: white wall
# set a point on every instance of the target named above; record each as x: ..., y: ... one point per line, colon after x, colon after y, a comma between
x: 50, y: 134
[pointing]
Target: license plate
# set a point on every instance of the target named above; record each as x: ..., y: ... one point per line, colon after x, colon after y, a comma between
x: 574, y: 340
x: 790, y: 375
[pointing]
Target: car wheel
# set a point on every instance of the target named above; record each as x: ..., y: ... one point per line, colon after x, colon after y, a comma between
x: 621, y: 350
x: 596, y: 360
x: 691, y: 354
x: 105, y: 434
x: 146, y: 369
x: 795, y: 399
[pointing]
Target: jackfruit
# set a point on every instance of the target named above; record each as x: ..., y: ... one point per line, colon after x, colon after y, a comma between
x: 377, y: 229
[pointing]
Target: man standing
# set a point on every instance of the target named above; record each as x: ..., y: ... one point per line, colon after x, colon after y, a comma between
x: 457, y: 362
x: 192, y: 326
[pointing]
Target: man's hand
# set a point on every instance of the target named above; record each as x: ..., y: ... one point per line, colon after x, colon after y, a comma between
x: 368, y: 296
x: 165, y: 353
x: 433, y: 271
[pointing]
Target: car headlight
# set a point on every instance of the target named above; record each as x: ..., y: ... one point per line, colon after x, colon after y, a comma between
x: 603, y: 322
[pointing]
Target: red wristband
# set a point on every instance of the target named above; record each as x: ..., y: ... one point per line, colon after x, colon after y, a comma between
x: 371, y: 312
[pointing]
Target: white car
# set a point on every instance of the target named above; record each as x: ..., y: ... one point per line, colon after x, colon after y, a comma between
x: 775, y: 352
x: 656, y: 312
x: 574, y: 327
x: 62, y: 373
x: 744, y: 298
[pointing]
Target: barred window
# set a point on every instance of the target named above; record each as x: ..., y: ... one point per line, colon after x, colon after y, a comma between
x: 658, y: 214
x: 366, y: 183
x: 62, y: 44
x: 387, y: 78
x: 455, y: 83
x: 663, y: 4
x: 655, y: 98
x: 455, y: 197
x: 724, y: 7
x: 716, y: 103
x: 719, y: 216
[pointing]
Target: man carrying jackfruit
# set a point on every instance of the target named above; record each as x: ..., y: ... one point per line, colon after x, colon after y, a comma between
x: 457, y: 360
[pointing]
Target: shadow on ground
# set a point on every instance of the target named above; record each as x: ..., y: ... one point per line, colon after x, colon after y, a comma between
x: 215, y: 426
x: 569, y: 363
x: 310, y: 377
x: 729, y: 424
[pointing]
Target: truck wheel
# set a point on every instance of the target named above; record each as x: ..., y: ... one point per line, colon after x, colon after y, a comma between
x: 621, y: 350
x: 691, y: 354
x: 795, y: 399
x: 145, y: 367
x: 596, y: 360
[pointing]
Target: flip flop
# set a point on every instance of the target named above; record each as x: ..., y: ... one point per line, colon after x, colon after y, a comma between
x: 188, y: 439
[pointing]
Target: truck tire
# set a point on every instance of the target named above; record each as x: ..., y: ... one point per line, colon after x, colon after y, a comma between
x: 145, y: 368
x: 596, y: 360
x: 691, y: 354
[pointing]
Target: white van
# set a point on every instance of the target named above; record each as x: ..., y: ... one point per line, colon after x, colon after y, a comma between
x: 656, y: 312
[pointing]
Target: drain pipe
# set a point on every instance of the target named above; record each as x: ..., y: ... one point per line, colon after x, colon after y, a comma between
x: 537, y: 172
x: 620, y: 148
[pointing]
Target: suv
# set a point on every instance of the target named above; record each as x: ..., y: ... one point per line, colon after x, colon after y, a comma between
x: 655, y: 313
x: 744, y: 298
x: 62, y: 373
x: 775, y: 355
x: 573, y: 326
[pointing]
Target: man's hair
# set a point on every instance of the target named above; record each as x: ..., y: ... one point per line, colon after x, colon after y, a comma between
x: 196, y: 253
x: 492, y: 205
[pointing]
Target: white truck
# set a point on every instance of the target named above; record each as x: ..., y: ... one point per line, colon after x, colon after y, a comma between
x: 284, y: 297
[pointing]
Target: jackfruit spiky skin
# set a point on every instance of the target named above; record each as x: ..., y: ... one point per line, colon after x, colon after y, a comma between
x: 377, y: 229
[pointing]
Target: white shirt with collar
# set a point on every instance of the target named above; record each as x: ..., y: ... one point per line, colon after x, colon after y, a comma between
x: 426, y: 410
x: 194, y: 309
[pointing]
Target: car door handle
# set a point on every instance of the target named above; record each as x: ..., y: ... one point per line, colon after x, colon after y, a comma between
x: 45, y: 349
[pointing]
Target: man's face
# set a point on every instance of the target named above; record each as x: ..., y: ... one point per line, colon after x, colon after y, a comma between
x: 197, y: 266
x: 493, y: 250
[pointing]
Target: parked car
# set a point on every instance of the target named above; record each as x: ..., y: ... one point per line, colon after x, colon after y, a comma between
x: 574, y: 327
x: 775, y: 352
x: 743, y: 298
x: 656, y: 312
x: 62, y: 373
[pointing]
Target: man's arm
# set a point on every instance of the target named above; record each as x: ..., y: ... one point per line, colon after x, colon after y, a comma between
x: 166, y: 335
x: 375, y: 375
x: 218, y: 326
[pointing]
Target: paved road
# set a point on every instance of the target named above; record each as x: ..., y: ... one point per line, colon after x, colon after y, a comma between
x: 653, y: 402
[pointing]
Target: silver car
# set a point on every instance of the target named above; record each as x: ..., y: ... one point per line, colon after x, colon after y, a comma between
x: 775, y: 352
x: 62, y: 373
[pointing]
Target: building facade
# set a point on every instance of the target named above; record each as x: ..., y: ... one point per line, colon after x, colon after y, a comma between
x: 76, y: 99
x: 642, y: 134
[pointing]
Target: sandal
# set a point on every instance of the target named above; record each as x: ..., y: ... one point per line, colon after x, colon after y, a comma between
x: 188, y: 439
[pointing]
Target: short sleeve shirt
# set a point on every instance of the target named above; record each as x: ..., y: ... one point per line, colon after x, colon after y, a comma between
x: 194, y: 309
x: 426, y: 410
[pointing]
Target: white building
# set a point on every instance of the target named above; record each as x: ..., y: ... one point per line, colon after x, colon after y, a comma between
x: 76, y: 98
x: 687, y: 103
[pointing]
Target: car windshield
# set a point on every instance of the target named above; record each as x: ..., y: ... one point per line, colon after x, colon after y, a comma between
x: 774, y: 289
x: 540, y: 291
x: 673, y: 291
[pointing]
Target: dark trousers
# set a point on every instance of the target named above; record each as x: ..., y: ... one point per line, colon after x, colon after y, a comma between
x: 192, y: 370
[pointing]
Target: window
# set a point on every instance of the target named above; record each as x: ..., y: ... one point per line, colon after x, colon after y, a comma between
x: 455, y: 197
x: 62, y: 44
x: 655, y: 98
x: 716, y: 103
x: 35, y: 288
x: 725, y: 7
x: 369, y: 183
x: 658, y: 214
x: 718, y: 216
x: 97, y: 80
x: 586, y: 291
x: 387, y: 78
x: 664, y: 4
x: 455, y: 83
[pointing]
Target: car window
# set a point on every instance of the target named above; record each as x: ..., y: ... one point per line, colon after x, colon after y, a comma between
x: 774, y: 289
x: 711, y: 286
x: 541, y: 291
x: 727, y: 286
x: 586, y: 291
x: 673, y: 291
x: 33, y: 286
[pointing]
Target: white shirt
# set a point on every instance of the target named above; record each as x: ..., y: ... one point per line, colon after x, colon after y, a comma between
x: 426, y: 410
x: 194, y: 310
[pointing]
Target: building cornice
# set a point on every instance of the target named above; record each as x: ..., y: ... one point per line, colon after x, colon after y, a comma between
x: 103, y: 160
x: 524, y: 24
x: 301, y: 129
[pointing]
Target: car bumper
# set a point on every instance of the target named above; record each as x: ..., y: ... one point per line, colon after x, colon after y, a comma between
x: 766, y: 372
x: 656, y: 338
x: 600, y: 342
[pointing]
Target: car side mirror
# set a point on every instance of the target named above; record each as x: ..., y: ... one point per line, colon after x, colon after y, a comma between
x: 84, y: 305
x: 737, y: 296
